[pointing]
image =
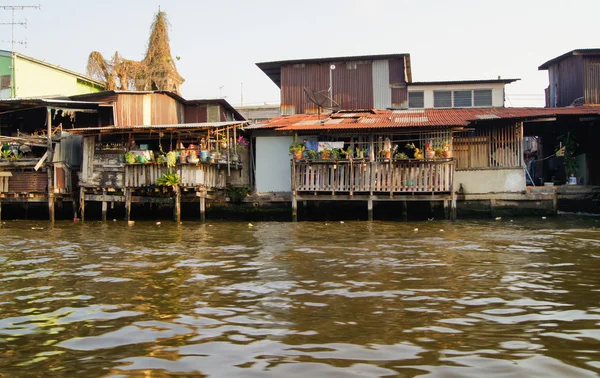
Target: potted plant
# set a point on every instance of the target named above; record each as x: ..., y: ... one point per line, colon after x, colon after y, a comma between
x: 401, y: 156
x: 6, y: 154
x: 360, y: 152
x: 429, y: 152
x: 447, y: 152
x: 169, y: 179
x: 335, y: 154
x: 129, y: 158
x: 296, y: 148
x: 567, y: 146
x: 312, y: 154
x: 325, y: 153
x: 439, y: 152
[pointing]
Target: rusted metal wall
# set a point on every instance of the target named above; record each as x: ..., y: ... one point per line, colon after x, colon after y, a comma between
x: 195, y: 113
x: 130, y: 110
x: 28, y: 182
x: 357, y: 84
x: 166, y: 110
x: 566, y: 81
x: 592, y: 81
x: 296, y: 77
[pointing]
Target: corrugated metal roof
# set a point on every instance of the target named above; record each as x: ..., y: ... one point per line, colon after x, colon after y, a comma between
x: 547, y: 65
x: 378, y: 119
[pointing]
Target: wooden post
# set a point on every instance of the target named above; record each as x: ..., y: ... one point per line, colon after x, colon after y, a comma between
x: 49, y: 164
x: 104, y: 205
x: 404, y: 205
x: 447, y: 209
x: 294, y: 208
x: 127, y: 204
x: 453, y: 209
x: 370, y: 209
x: 0, y: 210
x: 203, y: 207
x: 82, y: 202
x: 74, y: 201
x: 177, y: 191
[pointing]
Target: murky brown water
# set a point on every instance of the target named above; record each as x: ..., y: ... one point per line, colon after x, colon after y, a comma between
x: 480, y: 298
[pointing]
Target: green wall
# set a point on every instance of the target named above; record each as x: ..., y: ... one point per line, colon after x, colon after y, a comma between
x: 5, y: 63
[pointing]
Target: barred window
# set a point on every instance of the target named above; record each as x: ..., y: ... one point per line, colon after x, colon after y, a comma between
x: 416, y: 99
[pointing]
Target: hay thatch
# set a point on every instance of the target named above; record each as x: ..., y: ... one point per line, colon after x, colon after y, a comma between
x: 156, y: 71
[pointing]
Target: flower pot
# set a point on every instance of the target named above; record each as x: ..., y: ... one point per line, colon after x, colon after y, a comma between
x: 447, y: 154
x: 325, y: 155
x: 298, y: 154
x: 572, y: 180
x: 204, y: 155
x: 234, y: 158
x: 387, y: 154
x: 429, y: 154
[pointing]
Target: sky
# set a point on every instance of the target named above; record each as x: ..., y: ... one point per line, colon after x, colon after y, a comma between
x: 219, y: 42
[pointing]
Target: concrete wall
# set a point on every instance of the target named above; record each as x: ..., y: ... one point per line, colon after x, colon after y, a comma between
x: 273, y: 170
x: 490, y: 180
x: 497, y: 91
x: 33, y: 79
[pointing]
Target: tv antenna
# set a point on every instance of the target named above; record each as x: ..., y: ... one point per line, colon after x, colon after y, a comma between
x: 14, y: 8
x: 321, y: 99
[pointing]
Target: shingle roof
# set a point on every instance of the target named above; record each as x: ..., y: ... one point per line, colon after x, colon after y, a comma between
x: 378, y: 119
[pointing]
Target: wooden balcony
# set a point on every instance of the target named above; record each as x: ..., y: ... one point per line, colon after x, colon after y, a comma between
x: 191, y: 175
x: 365, y: 177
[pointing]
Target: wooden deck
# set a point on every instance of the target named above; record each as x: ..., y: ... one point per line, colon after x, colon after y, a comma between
x: 360, y: 177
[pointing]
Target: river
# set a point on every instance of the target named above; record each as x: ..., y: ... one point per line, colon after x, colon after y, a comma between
x: 493, y: 298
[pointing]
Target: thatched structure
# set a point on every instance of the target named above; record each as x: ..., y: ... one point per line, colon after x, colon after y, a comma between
x: 156, y: 71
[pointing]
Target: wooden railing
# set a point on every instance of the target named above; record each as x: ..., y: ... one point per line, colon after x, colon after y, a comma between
x: 394, y: 176
x: 202, y: 175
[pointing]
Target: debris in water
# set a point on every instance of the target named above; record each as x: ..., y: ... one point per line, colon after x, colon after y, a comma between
x: 158, y: 223
x: 250, y: 225
x: 498, y: 218
x: 341, y: 222
x: 543, y: 217
x: 416, y: 229
x: 130, y: 223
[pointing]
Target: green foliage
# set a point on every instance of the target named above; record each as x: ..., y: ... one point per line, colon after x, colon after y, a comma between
x: 312, y: 154
x: 296, y: 146
x: 237, y: 193
x: 129, y: 158
x: 401, y: 155
x: 169, y: 179
x: 570, y: 145
x: 6, y: 154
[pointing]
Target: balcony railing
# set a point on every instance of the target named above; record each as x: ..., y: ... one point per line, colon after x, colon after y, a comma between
x: 354, y: 176
x: 191, y: 175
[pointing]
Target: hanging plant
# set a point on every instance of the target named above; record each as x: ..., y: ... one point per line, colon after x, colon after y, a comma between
x: 169, y: 179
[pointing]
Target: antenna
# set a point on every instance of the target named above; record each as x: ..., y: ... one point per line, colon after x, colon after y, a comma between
x: 13, y: 8
x: 321, y: 99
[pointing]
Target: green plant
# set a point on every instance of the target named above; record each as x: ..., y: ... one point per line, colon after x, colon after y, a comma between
x: 312, y: 154
x: 168, y: 179
x: 439, y: 152
x: 237, y: 193
x: 296, y: 146
x: 6, y: 154
x: 334, y: 154
x: 347, y: 153
x: 171, y: 159
x: 161, y: 160
x: 401, y: 155
x: 568, y: 144
x: 129, y: 158
x: 16, y: 156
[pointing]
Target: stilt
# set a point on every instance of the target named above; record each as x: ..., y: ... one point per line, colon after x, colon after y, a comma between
x: 404, y: 205
x: 74, y: 202
x: 49, y: 164
x: 447, y: 209
x: 104, y: 205
x: 370, y: 209
x: 51, y: 204
x: 177, y: 191
x: 82, y: 203
x: 555, y: 203
x: 453, y: 209
x: 294, y: 208
x: 203, y: 207
x: 0, y: 210
x: 127, y: 204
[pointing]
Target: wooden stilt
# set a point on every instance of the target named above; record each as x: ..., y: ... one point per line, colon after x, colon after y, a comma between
x: 0, y: 210
x: 82, y: 203
x: 104, y: 210
x: 177, y: 191
x: 127, y: 204
x: 74, y: 202
x: 294, y: 208
x: 453, y: 209
x: 49, y: 164
x: 447, y: 209
x: 370, y: 209
x: 405, y: 211
x: 203, y: 207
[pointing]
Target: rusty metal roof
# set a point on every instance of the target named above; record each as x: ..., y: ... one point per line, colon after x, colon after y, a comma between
x: 547, y: 65
x: 379, y: 119
x: 109, y: 129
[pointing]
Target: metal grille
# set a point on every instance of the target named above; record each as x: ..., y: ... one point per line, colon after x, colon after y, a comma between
x: 489, y: 147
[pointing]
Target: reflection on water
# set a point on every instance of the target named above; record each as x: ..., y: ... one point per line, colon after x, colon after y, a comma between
x: 346, y: 299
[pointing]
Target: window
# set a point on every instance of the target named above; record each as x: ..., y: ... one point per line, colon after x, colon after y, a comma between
x: 416, y: 99
x: 482, y: 97
x: 5, y: 82
x: 462, y: 99
x: 442, y: 99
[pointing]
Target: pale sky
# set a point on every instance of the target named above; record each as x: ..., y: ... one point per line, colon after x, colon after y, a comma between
x: 219, y: 42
